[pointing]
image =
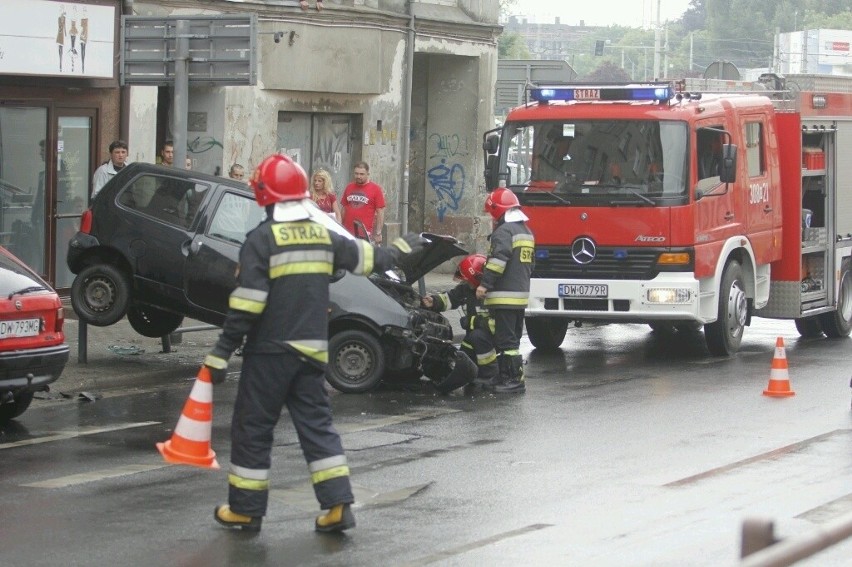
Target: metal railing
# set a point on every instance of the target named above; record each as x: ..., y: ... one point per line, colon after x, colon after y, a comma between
x: 760, y: 548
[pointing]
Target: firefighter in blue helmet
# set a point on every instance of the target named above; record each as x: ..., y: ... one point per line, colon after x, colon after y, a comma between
x: 280, y: 306
x: 505, y: 286
x: 478, y: 341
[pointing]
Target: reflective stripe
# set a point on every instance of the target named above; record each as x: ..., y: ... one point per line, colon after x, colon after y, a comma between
x: 445, y: 301
x: 365, y: 258
x: 486, y: 358
x: 247, y: 483
x: 465, y: 344
x: 248, y: 300
x: 523, y: 243
x: 301, y: 262
x: 318, y: 350
x: 492, y: 325
x: 215, y: 362
x: 329, y: 474
x: 327, y: 463
x: 402, y: 245
x: 495, y: 265
x: 513, y: 352
x: 493, y: 301
x: 251, y: 474
x: 524, y: 239
x: 301, y: 268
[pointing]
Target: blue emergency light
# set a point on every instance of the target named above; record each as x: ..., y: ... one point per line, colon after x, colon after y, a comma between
x: 657, y: 92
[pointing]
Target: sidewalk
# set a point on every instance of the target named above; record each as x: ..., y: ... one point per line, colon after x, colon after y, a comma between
x: 117, y: 357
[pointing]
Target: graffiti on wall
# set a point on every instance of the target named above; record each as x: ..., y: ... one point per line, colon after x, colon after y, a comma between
x: 202, y: 144
x: 331, y: 145
x: 447, y: 177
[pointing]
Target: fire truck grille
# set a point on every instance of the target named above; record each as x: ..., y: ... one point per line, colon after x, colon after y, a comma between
x: 608, y: 263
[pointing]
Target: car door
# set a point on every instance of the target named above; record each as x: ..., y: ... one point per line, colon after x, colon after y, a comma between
x: 212, y: 257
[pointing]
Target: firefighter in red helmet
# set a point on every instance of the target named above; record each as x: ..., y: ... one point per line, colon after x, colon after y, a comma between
x: 280, y: 307
x: 478, y: 341
x: 505, y: 285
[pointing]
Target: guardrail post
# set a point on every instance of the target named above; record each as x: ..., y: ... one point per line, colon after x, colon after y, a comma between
x: 82, y: 342
x: 758, y: 533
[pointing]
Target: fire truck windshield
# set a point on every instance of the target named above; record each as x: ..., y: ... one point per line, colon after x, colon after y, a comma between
x: 596, y: 162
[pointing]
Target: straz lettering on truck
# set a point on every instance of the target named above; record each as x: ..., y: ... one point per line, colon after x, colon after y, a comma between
x: 758, y: 193
x: 660, y: 204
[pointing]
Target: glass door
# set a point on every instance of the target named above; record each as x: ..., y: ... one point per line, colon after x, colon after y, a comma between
x: 73, y: 169
x: 23, y: 135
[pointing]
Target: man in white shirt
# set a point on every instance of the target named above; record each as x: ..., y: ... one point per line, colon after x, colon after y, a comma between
x: 117, y: 161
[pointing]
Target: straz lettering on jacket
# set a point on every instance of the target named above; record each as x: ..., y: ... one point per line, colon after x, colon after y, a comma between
x: 300, y: 233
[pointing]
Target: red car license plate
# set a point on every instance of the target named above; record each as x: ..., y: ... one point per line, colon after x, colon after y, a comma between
x: 19, y: 328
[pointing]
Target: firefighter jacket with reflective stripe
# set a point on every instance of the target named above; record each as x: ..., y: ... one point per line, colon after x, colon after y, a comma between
x: 508, y: 268
x: 460, y: 296
x: 282, y: 296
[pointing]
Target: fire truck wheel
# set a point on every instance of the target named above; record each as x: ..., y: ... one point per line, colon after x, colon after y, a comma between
x: 837, y: 324
x: 809, y: 327
x: 546, y: 333
x: 725, y: 334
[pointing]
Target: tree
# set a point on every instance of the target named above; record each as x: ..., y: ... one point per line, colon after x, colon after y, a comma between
x: 512, y: 46
x: 608, y: 72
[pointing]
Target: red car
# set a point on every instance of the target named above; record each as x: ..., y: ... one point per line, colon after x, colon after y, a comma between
x: 33, y: 352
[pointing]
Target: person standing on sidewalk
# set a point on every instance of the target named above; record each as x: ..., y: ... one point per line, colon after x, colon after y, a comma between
x: 364, y: 201
x: 505, y: 286
x: 281, y: 307
x: 116, y: 162
x: 478, y: 341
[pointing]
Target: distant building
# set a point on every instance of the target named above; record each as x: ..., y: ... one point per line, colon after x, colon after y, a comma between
x: 825, y: 52
x: 550, y: 41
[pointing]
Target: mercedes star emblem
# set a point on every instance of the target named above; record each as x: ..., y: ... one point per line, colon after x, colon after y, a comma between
x: 583, y: 250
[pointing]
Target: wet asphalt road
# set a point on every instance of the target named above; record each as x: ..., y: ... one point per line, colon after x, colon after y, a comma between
x: 628, y: 448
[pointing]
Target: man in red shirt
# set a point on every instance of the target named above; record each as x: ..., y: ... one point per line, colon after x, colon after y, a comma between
x: 364, y: 201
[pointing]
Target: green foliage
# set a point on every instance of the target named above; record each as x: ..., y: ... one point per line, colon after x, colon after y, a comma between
x: 608, y: 72
x: 512, y: 46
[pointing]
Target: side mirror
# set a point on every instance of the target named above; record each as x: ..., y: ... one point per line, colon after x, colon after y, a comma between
x: 491, y: 144
x: 491, y: 177
x: 728, y: 166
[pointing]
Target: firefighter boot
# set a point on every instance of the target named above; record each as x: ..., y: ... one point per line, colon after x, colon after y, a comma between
x: 337, y: 519
x: 229, y: 519
x: 514, y: 384
x: 488, y: 375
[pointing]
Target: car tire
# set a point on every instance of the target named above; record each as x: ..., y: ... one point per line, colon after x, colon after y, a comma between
x: 724, y: 336
x: 546, y: 333
x: 16, y: 407
x: 152, y: 322
x: 100, y: 295
x: 355, y: 361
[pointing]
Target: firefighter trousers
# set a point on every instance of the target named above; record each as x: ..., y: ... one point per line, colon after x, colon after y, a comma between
x: 268, y: 383
x: 478, y: 344
x: 508, y: 328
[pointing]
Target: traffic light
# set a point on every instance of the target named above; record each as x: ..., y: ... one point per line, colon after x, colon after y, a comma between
x: 599, y: 47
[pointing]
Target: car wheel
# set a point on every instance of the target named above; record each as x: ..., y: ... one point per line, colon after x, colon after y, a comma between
x: 16, y: 407
x: 724, y: 336
x: 100, y: 295
x: 152, y: 322
x: 546, y: 333
x: 838, y: 323
x: 809, y: 327
x: 355, y: 362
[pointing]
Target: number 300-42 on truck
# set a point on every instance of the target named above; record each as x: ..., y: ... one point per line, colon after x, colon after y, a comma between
x: 676, y: 207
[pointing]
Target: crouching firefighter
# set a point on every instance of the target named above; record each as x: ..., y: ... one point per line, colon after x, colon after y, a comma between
x: 505, y: 285
x: 281, y: 306
x: 478, y: 341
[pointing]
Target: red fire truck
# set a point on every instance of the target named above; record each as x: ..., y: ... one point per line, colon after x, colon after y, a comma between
x: 655, y: 204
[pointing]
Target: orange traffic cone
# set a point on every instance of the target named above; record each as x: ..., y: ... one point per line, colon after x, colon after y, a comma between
x: 779, y: 379
x: 190, y: 442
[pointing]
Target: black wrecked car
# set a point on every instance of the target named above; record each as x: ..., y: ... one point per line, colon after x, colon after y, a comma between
x: 159, y: 244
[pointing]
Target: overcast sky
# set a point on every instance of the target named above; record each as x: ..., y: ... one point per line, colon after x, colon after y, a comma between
x: 636, y: 13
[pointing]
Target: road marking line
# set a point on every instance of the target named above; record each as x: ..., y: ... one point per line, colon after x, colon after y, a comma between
x: 792, y: 448
x: 93, y: 476
x: 62, y: 435
x: 449, y: 553
x: 344, y: 428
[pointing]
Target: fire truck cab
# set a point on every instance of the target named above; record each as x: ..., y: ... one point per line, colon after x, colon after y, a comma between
x: 681, y: 209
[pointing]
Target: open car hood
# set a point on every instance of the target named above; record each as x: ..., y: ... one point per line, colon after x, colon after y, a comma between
x: 438, y: 250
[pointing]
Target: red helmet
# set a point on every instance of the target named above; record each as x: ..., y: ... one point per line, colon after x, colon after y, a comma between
x: 278, y: 178
x: 499, y: 201
x: 470, y: 269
